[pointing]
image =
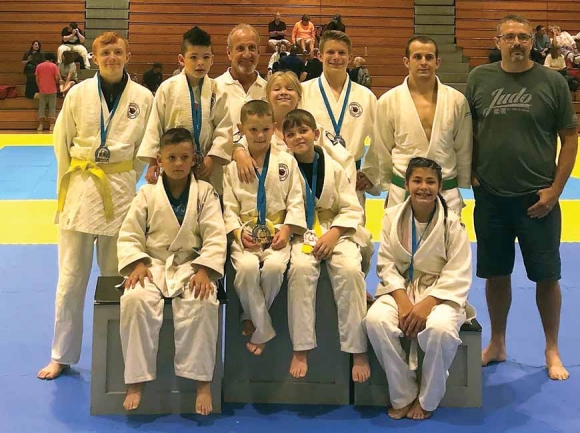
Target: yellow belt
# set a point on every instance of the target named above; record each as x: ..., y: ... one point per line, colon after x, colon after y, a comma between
x: 99, y: 173
x: 277, y: 218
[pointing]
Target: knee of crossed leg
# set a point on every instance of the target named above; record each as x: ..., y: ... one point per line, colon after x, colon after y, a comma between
x: 271, y: 267
x: 376, y: 323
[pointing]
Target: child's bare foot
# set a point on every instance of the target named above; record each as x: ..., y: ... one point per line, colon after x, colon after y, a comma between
x: 556, y: 370
x: 248, y: 328
x: 417, y: 412
x: 203, y: 400
x: 299, y: 364
x: 493, y: 353
x: 51, y: 371
x: 399, y: 413
x: 254, y: 348
x: 133, y: 397
x: 361, y: 370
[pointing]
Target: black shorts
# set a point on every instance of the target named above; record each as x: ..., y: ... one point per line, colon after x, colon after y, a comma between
x: 500, y: 220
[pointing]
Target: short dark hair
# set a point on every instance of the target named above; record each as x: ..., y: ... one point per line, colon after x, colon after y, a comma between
x: 335, y: 35
x: 49, y: 56
x: 175, y: 136
x: 512, y: 17
x: 157, y: 65
x: 298, y: 117
x: 73, y: 25
x: 424, y: 40
x: 195, y: 36
x: 305, y: 17
x: 256, y: 108
x: 420, y: 162
x: 539, y: 27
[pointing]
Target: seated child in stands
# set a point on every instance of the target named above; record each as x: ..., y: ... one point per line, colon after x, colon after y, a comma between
x: 172, y: 244
x: 424, y: 268
x: 261, y: 217
x: 193, y: 101
x: 68, y: 72
x: 335, y: 235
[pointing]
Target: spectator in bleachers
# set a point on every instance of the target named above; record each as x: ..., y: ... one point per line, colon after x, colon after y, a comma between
x: 360, y: 73
x: 178, y: 70
x: 494, y: 55
x: 47, y: 80
x: 277, y: 32
x: 303, y: 34
x: 291, y: 62
x: 153, y: 77
x: 275, y: 57
x: 73, y: 39
x: 313, y: 67
x: 555, y: 59
x: 541, y: 45
x: 31, y: 59
x: 68, y: 72
x: 335, y: 24
x: 567, y: 45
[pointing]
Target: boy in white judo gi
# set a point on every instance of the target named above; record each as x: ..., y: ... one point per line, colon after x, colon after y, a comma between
x: 172, y: 244
x: 424, y: 267
x: 421, y: 117
x: 261, y: 217
x: 96, y: 138
x: 193, y: 101
x: 335, y: 235
x: 346, y: 110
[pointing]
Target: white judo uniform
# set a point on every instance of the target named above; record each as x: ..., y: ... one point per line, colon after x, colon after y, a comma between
x: 337, y: 206
x: 174, y: 253
x: 259, y: 274
x: 399, y: 136
x: 172, y: 109
x: 93, y: 198
x: 442, y: 269
x: 238, y: 96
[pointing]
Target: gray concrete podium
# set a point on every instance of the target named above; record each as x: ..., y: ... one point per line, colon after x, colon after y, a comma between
x: 265, y: 379
x: 166, y: 394
x: 463, y: 384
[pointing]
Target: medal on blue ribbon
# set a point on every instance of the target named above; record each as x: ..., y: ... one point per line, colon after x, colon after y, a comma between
x: 337, y: 138
x: 196, y: 120
x: 261, y: 233
x: 103, y: 154
x: 310, y: 237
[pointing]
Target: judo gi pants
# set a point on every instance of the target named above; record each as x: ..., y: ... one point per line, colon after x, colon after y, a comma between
x: 348, y: 285
x: 259, y: 276
x: 195, y: 323
x: 75, y: 259
x: 439, y: 340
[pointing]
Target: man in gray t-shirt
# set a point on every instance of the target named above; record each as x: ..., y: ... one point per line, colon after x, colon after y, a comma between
x: 519, y: 109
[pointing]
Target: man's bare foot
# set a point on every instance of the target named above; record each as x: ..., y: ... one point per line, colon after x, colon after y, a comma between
x: 493, y: 353
x: 256, y: 349
x: 248, y: 328
x: 299, y: 364
x: 51, y: 371
x: 399, y: 413
x: 133, y: 397
x: 203, y: 400
x: 417, y: 412
x: 556, y: 370
x: 361, y: 370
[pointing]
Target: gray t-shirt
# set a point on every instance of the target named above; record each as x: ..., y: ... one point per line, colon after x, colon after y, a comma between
x: 516, y: 119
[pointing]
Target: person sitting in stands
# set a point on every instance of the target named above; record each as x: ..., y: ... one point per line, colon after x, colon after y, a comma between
x: 73, y: 39
x: 153, y: 77
x: 32, y: 58
x: 303, y: 34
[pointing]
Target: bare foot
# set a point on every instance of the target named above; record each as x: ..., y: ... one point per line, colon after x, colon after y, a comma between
x: 133, y: 397
x: 492, y: 354
x: 361, y: 370
x: 256, y: 349
x: 417, y: 412
x: 399, y: 413
x: 299, y: 364
x: 248, y: 328
x: 556, y: 370
x: 51, y: 371
x: 203, y: 400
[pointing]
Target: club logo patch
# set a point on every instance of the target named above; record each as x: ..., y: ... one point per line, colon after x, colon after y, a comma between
x: 283, y: 172
x: 355, y: 109
x: 133, y: 111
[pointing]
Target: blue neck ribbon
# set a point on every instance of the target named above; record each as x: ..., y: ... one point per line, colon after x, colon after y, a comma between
x: 196, y: 115
x: 337, y: 126
x: 311, y: 192
x: 105, y: 128
x: 262, y: 189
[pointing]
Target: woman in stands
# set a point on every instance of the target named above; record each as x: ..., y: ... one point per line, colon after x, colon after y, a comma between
x: 30, y: 60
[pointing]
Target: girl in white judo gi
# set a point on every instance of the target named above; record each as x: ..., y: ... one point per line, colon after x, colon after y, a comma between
x: 193, y: 101
x: 335, y: 235
x: 424, y: 267
x: 261, y: 216
x: 96, y: 139
x: 172, y: 244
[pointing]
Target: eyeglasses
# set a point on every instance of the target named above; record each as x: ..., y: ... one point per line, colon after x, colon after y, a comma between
x: 511, y: 37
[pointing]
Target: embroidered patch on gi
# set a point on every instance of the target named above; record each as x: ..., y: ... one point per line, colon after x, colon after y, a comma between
x: 133, y: 111
x: 355, y: 109
x: 283, y: 172
x: 212, y: 102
